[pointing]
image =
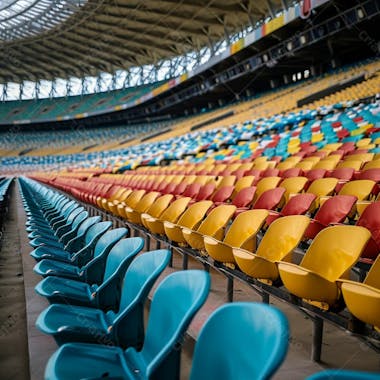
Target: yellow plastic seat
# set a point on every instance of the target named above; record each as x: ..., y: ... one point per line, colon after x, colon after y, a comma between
x: 375, y: 164
x: 112, y: 205
x: 157, y: 208
x: 228, y: 180
x: 285, y: 165
x: 265, y: 184
x: 360, y: 188
x: 323, y: 186
x: 213, y: 226
x: 305, y: 165
x: 131, y: 201
x: 278, y: 243
x: 327, y: 164
x: 353, y: 164
x: 134, y: 214
x: 293, y: 185
x: 191, y: 219
x: 363, y: 157
x: 171, y: 214
x: 242, y: 183
x: 363, y: 299
x: 330, y: 257
x: 242, y: 234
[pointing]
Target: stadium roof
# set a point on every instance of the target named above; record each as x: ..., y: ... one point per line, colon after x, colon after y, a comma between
x: 44, y: 40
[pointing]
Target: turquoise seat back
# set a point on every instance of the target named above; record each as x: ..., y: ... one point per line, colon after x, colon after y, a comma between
x: 257, y: 339
x: 128, y: 323
x: 178, y: 297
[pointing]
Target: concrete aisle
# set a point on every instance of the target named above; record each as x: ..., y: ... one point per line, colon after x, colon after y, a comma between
x: 40, y: 346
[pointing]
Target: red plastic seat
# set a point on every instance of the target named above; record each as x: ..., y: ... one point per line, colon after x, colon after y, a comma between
x: 205, y: 192
x: 292, y: 172
x: 334, y: 210
x: 270, y: 199
x: 192, y: 190
x: 344, y: 174
x: 372, y: 174
x: 270, y: 173
x: 313, y: 174
x: 244, y: 197
x: 370, y: 219
x: 297, y: 205
x: 222, y: 194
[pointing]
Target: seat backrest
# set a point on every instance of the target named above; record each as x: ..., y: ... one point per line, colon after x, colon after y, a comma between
x: 361, y: 188
x: 293, y: 185
x: 194, y: 214
x: 87, y: 224
x: 245, y: 227
x: 141, y: 274
x: 375, y: 164
x: 291, y: 172
x: 370, y: 219
x: 222, y: 194
x: 96, y: 230
x: 353, y: 164
x: 244, y: 197
x: 175, y: 210
x: 109, y: 239
x: 265, y: 184
x: 373, y: 276
x: 159, y: 205
x: 314, y: 174
x: 192, y: 190
x: 217, y: 219
x: 146, y: 201
x: 122, y: 251
x: 269, y: 199
x: 74, y: 214
x: 323, y: 186
x: 256, y: 336
x: 134, y: 198
x: 299, y: 204
x: 342, y: 173
x: 244, y: 182
x: 78, y: 220
x: 228, y: 180
x: 205, y: 192
x: 372, y: 174
x: 334, y: 250
x: 335, y: 209
x: 178, y: 297
x: 282, y: 237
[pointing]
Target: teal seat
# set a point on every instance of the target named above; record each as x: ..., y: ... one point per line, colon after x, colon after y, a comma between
x: 124, y: 328
x: 178, y: 297
x: 79, y: 257
x: 341, y: 374
x: 92, y: 272
x: 103, y: 296
x: 42, y: 237
x: 257, y: 339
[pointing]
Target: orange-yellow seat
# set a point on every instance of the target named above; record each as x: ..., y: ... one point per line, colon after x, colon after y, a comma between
x: 134, y: 214
x: 330, y: 257
x: 242, y: 234
x: 213, y: 226
x: 191, y: 219
x: 363, y: 299
x: 278, y: 243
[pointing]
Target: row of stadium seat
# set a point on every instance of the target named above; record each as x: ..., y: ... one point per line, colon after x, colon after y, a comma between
x: 4, y: 195
x: 88, y: 321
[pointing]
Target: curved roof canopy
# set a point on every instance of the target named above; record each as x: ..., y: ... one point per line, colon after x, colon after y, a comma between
x: 44, y: 40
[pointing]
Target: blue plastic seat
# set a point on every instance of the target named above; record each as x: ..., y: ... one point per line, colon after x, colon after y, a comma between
x: 257, y: 339
x: 124, y: 328
x: 103, y: 296
x: 42, y: 237
x: 92, y: 272
x: 175, y: 302
x: 341, y: 374
x: 93, y: 234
